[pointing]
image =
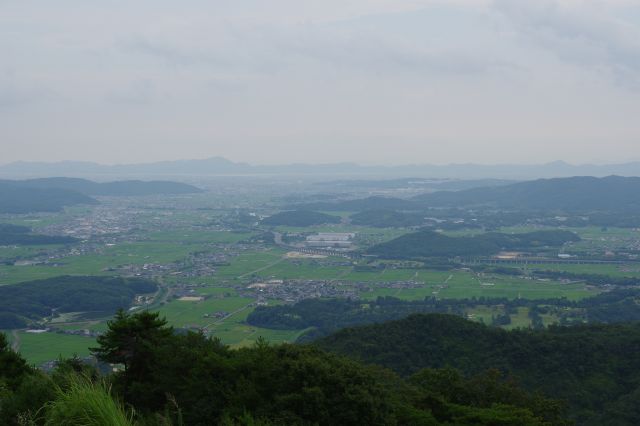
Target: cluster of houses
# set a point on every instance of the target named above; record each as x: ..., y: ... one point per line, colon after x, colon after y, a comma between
x: 294, y: 290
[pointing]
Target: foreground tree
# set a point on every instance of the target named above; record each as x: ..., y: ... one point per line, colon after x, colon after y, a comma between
x: 133, y: 341
x: 12, y: 366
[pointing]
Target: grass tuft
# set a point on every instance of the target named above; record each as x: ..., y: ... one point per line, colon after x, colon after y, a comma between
x: 84, y: 403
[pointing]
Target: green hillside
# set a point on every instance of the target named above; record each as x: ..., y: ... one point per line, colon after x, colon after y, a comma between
x: 596, y: 368
x: 387, y: 219
x: 434, y: 244
x: 34, y: 300
x: 189, y: 379
x: 17, y: 199
x: 575, y: 194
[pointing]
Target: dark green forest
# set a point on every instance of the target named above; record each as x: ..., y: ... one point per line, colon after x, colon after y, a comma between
x: 387, y: 219
x: 33, y: 300
x: 426, y: 369
x: 325, y: 316
x: 168, y: 378
x: 595, y: 368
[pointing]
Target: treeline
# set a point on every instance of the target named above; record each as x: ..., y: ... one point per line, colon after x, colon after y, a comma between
x: 15, y: 234
x: 328, y: 315
x: 194, y: 380
x: 592, y: 279
x: 325, y: 316
x: 31, y: 301
x: 425, y: 244
x: 595, y: 279
x: 596, y: 368
x: 612, y: 307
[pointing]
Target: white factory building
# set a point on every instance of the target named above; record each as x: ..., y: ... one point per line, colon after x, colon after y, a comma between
x: 330, y: 239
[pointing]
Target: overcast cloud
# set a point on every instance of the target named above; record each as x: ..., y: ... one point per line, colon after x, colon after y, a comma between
x: 372, y: 81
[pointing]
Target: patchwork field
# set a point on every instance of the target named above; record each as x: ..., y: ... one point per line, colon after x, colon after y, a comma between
x: 171, y: 236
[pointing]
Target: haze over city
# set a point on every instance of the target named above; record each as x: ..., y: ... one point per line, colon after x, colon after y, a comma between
x: 374, y: 82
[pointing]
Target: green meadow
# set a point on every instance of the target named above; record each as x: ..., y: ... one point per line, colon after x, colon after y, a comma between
x: 39, y: 348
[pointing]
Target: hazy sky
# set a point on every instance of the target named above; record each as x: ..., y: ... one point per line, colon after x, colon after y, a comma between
x: 277, y: 81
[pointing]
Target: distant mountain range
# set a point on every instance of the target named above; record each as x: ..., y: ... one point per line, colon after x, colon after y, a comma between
x: 575, y: 194
x: 414, y: 184
x: 220, y: 166
x: 118, y: 188
x: 53, y: 194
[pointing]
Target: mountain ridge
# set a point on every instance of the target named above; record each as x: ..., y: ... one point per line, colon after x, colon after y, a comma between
x: 221, y: 166
x: 53, y: 194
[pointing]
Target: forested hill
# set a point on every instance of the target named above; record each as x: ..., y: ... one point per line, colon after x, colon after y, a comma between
x: 387, y: 218
x: 300, y: 218
x: 581, y: 194
x: 118, y: 188
x: 322, y: 317
x: 18, y: 199
x: 33, y: 300
x: 596, y: 368
x: 575, y: 194
x: 190, y: 379
x: 434, y: 244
